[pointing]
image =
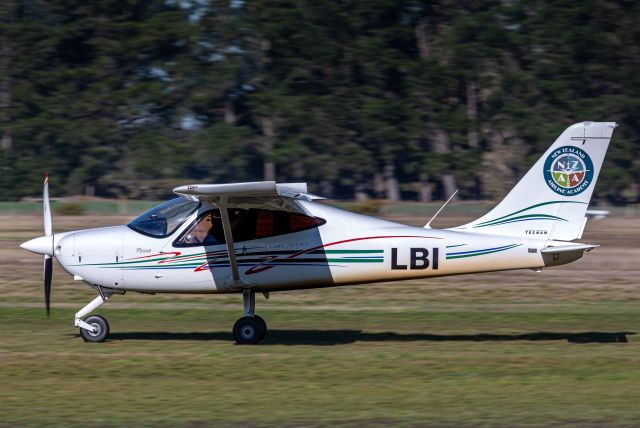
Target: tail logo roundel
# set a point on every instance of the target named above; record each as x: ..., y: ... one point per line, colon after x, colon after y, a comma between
x: 568, y: 171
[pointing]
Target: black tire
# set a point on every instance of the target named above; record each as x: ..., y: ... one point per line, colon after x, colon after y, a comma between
x: 263, y: 323
x: 102, y: 329
x: 247, y: 331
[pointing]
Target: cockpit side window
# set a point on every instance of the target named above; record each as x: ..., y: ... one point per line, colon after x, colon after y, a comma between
x: 207, y: 230
x: 162, y: 220
x: 245, y: 225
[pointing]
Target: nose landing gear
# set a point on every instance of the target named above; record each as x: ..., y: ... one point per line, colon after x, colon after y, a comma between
x: 251, y: 328
x: 94, y: 328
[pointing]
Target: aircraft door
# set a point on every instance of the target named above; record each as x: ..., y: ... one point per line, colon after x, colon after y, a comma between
x: 186, y: 268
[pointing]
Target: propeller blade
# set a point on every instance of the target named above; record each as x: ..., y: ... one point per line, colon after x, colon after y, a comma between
x: 48, y: 228
x: 48, y: 231
x: 48, y: 270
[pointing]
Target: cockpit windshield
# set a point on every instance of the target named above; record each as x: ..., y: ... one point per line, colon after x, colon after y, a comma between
x: 162, y: 220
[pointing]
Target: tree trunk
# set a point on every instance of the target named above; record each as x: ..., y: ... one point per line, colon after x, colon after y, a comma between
x: 326, y: 189
x: 359, y: 186
x: 448, y: 185
x: 230, y: 117
x: 359, y: 194
x: 378, y: 185
x: 441, y: 145
x: 392, y: 190
x: 437, y: 135
x: 6, y: 141
x: 269, y: 173
x: 421, y: 38
x: 426, y: 190
x: 297, y: 169
x: 472, y: 113
x: 496, y: 174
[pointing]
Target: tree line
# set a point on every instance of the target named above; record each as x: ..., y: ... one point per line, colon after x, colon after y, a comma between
x: 393, y: 99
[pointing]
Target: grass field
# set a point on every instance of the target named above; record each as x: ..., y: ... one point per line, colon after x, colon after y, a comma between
x: 502, y: 349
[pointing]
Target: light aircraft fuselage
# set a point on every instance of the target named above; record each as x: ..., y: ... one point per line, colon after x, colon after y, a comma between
x: 264, y: 236
x: 344, y: 248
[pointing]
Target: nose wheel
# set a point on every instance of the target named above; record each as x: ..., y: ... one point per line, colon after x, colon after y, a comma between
x: 251, y: 328
x: 100, y: 329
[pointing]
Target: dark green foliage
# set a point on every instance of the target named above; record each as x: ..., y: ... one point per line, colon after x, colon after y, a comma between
x: 343, y: 95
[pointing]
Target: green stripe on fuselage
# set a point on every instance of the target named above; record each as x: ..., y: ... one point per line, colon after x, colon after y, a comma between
x: 480, y: 252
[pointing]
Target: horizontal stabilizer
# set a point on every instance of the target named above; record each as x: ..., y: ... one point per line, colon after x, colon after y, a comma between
x: 563, y: 254
x: 568, y: 248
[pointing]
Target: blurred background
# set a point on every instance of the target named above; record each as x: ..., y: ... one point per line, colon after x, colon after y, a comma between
x: 387, y: 106
x: 377, y: 99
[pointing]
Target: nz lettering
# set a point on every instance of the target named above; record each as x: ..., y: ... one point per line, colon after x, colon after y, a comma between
x: 419, y: 259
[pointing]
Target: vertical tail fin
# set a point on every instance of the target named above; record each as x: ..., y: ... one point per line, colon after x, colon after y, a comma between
x: 550, y: 201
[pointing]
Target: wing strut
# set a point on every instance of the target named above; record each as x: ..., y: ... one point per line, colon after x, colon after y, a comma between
x: 228, y: 239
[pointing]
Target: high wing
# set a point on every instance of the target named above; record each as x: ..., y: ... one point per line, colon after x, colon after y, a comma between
x: 258, y: 194
x: 265, y: 193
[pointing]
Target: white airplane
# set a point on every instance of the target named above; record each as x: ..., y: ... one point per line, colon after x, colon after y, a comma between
x: 265, y: 237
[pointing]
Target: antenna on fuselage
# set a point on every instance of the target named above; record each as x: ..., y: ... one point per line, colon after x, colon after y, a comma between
x: 428, y: 225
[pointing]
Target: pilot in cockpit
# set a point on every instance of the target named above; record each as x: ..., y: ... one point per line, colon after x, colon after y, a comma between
x: 198, y: 234
x: 209, y: 231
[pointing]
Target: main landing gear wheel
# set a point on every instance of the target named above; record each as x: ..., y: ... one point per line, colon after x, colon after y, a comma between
x: 251, y: 328
x: 263, y: 323
x: 248, y: 331
x: 101, y: 329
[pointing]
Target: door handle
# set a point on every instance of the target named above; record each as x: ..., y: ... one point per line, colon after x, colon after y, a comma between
x: 158, y: 275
